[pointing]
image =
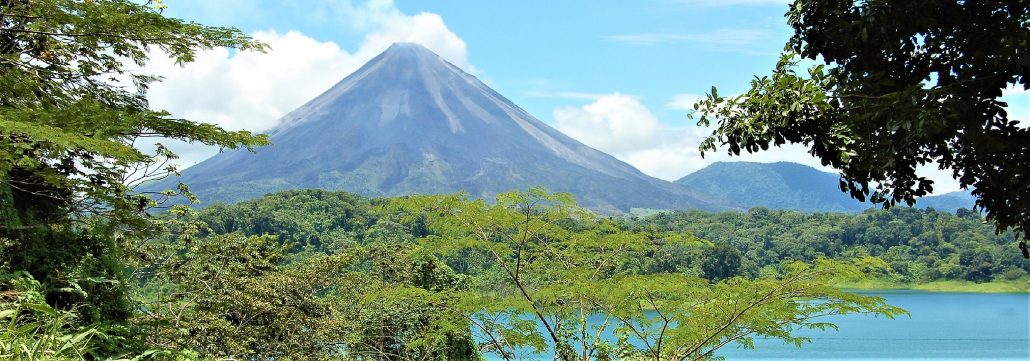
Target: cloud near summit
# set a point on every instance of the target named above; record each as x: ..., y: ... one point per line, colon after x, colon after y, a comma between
x: 251, y: 90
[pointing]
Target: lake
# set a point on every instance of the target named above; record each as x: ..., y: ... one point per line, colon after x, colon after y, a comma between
x: 953, y: 326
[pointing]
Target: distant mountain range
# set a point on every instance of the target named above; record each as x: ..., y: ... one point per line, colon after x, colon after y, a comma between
x: 409, y: 122
x: 786, y: 185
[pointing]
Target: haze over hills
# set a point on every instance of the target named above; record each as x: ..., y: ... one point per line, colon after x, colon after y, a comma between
x: 785, y: 185
x: 782, y: 185
x: 408, y: 122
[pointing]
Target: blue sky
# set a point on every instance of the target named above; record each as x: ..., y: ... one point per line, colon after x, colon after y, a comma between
x: 617, y: 75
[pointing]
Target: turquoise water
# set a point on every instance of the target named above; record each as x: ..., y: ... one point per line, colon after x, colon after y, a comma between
x: 964, y: 326
x: 952, y: 326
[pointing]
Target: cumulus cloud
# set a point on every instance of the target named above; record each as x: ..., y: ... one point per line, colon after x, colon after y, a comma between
x: 624, y: 127
x: 614, y: 123
x: 251, y: 90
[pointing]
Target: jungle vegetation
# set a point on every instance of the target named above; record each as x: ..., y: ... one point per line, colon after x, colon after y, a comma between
x: 90, y: 270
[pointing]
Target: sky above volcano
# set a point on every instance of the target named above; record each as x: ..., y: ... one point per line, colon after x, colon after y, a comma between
x: 619, y: 76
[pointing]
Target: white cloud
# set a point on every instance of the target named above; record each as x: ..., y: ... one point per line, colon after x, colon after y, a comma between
x: 251, y: 91
x: 614, y: 123
x: 625, y: 128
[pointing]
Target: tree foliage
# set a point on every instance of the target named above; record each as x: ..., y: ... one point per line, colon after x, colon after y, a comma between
x: 73, y: 116
x: 232, y: 296
x: 279, y: 277
x: 919, y: 245
x: 904, y: 84
x: 72, y: 111
x: 554, y: 270
x: 86, y: 272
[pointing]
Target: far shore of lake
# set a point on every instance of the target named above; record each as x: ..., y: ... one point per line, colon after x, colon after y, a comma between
x: 997, y: 286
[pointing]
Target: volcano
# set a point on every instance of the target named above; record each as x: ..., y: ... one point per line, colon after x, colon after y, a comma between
x: 408, y: 122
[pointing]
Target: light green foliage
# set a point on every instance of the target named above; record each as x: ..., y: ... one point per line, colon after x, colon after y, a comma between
x: 560, y: 267
x: 32, y: 330
x: 904, y: 84
x: 679, y: 317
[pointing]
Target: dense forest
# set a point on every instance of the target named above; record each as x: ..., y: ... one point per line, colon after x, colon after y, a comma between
x: 95, y: 267
x: 921, y: 245
x: 313, y: 274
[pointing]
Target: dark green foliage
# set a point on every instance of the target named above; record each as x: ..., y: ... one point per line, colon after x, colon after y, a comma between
x: 385, y: 300
x: 80, y: 269
x: 400, y: 308
x: 541, y: 260
x: 905, y: 84
x: 722, y: 261
x: 72, y: 111
x: 32, y: 330
x: 306, y: 219
x: 920, y: 245
x: 231, y: 296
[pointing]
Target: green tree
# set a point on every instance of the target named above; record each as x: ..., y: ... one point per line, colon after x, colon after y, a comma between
x: 721, y: 262
x: 561, y: 278
x: 72, y: 111
x: 905, y: 84
x: 231, y: 296
x: 402, y: 308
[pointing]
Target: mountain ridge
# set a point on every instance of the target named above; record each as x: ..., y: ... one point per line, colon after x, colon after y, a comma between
x: 788, y: 185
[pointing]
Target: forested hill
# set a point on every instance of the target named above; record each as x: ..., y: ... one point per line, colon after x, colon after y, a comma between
x: 786, y: 185
x: 920, y: 245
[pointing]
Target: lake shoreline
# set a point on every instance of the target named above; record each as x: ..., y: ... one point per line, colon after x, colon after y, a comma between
x: 1021, y: 286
